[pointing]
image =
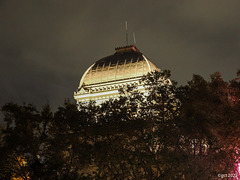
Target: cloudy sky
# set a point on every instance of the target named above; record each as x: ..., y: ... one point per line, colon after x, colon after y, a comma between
x: 46, y: 45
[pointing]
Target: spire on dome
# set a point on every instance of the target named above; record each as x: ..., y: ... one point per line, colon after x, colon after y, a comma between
x: 126, y: 49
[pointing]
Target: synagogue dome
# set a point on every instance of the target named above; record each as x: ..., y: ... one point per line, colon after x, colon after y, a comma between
x: 126, y: 63
x: 102, y: 80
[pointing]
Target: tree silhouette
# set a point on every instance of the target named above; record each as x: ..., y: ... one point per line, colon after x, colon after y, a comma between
x: 166, y: 132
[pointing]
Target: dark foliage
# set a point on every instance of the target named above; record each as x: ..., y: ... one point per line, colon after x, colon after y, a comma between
x: 168, y: 132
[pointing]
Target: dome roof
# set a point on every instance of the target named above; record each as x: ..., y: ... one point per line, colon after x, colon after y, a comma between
x: 127, y: 62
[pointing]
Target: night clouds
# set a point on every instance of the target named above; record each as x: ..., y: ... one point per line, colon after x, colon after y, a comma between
x: 45, y: 46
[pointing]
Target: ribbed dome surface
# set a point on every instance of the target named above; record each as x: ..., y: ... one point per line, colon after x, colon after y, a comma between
x: 127, y: 62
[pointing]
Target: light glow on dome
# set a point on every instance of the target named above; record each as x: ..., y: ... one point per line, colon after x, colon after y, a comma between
x: 103, y: 79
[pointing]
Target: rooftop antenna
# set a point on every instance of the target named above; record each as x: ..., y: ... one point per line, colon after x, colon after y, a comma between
x: 126, y: 33
x: 134, y: 38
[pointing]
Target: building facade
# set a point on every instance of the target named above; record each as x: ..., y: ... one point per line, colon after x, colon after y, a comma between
x: 102, y: 80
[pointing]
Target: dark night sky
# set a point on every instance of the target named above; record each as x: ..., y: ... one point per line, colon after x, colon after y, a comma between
x: 46, y: 45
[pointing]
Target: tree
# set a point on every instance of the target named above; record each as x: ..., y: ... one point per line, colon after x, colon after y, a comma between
x: 166, y: 132
x: 208, y: 124
x: 20, y: 140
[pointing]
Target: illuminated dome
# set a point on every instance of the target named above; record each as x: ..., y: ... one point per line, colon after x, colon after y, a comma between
x: 127, y: 62
x: 102, y: 80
